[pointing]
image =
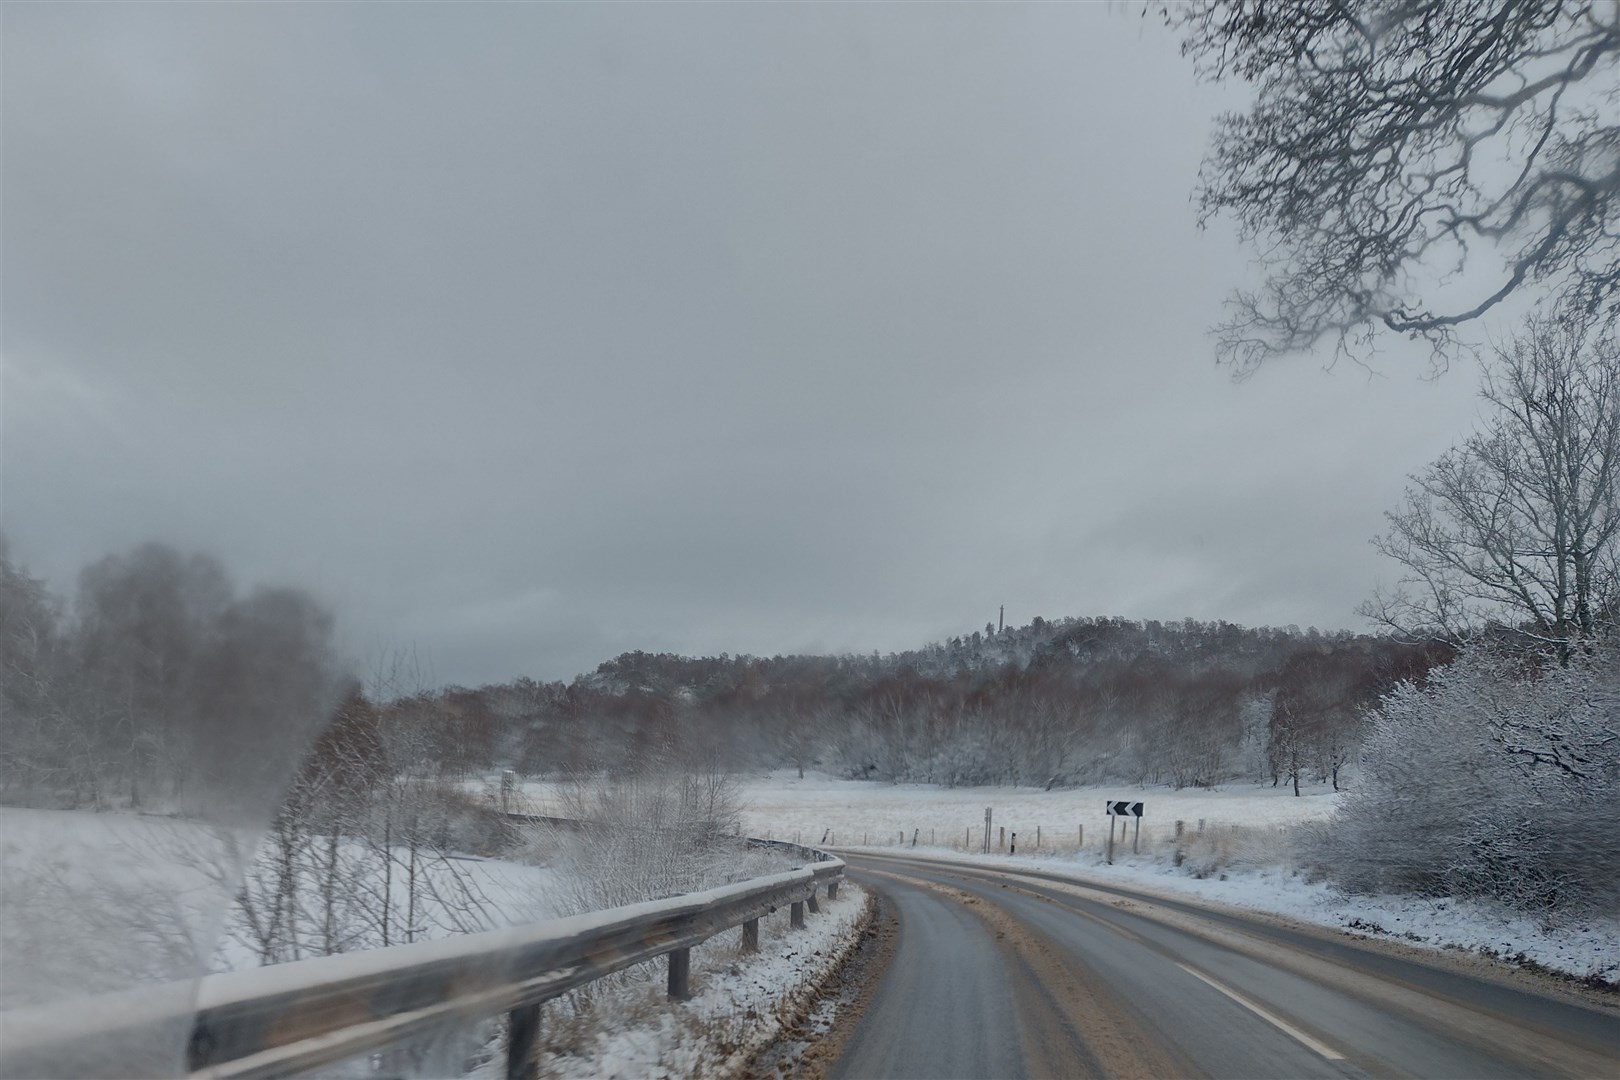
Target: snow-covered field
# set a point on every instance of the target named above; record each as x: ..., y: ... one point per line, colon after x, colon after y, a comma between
x: 854, y: 811
x: 97, y: 902
x: 783, y: 807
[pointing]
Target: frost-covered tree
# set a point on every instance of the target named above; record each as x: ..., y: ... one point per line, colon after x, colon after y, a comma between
x: 1519, y: 526
x: 145, y: 618
x: 31, y: 742
x: 1497, y: 779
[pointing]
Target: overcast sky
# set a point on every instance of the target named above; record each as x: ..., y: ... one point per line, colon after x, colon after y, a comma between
x: 529, y: 334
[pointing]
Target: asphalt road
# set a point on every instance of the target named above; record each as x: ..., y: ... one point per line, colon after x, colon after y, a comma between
x: 999, y: 974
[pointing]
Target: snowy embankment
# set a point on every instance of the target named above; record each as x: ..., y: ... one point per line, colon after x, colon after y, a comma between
x: 101, y: 901
x: 1235, y: 849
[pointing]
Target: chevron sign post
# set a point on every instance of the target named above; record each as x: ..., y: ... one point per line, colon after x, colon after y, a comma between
x: 1123, y: 808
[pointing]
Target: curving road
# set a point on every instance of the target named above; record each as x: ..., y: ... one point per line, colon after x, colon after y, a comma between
x: 1007, y: 974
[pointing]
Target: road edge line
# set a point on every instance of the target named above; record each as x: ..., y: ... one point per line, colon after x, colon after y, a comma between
x: 1265, y: 1014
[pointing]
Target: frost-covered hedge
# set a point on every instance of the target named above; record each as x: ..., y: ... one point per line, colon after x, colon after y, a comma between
x: 1495, y: 779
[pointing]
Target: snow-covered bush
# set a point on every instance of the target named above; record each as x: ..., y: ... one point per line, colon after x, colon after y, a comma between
x: 650, y: 835
x: 1497, y: 779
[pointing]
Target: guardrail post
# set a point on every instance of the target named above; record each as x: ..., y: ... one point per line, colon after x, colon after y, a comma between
x: 750, y: 941
x: 796, y: 915
x: 811, y: 904
x: 832, y: 890
x: 523, y: 1043
x: 680, y: 972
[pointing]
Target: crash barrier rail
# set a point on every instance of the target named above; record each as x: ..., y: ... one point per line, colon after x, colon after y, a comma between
x: 289, y: 1018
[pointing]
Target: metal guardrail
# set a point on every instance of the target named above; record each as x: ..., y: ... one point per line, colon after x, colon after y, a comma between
x: 289, y: 1018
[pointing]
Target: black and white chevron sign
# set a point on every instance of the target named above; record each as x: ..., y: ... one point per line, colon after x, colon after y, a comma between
x: 1125, y: 808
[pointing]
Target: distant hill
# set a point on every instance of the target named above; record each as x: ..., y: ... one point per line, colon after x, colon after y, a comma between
x: 1066, y: 701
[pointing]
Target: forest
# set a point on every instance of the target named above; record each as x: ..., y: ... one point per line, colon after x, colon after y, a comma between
x: 122, y: 699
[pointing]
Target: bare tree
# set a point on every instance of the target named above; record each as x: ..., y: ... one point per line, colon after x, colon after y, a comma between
x: 144, y: 619
x: 31, y: 754
x: 1395, y: 143
x: 1519, y: 525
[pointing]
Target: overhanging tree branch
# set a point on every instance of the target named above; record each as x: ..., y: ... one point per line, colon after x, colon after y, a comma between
x: 1385, y: 138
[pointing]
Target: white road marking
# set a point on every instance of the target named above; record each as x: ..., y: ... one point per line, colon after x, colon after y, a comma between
x: 1264, y: 1014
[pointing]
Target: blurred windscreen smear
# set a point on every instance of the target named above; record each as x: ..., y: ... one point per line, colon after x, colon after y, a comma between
x: 151, y: 728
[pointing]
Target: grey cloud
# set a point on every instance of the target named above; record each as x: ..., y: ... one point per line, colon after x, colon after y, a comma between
x: 531, y: 333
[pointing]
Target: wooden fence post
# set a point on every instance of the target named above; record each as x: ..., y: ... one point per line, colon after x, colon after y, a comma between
x: 523, y: 1043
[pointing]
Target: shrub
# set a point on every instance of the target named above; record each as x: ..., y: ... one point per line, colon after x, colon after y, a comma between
x: 650, y: 835
x: 1497, y: 779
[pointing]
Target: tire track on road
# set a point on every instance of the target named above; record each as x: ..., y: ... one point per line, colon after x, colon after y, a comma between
x: 1070, y: 1022
x: 1523, y: 1042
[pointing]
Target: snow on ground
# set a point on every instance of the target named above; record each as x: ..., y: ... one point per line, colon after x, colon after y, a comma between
x: 97, y: 902
x: 740, y: 1003
x: 783, y: 807
x: 101, y: 902
x: 857, y: 811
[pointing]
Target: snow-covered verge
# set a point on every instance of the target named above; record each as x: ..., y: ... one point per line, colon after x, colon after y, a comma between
x: 99, y: 902
x: 1584, y: 948
x: 94, y: 903
x: 740, y: 1003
